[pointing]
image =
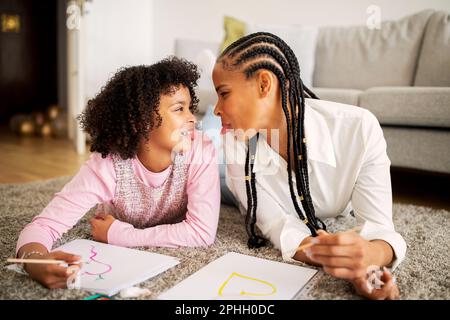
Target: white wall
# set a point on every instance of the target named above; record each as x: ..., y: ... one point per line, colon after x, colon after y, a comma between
x: 203, y: 19
x: 118, y: 33
x: 130, y: 32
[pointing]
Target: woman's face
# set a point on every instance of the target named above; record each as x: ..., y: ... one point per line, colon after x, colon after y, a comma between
x: 176, y: 131
x: 240, y: 104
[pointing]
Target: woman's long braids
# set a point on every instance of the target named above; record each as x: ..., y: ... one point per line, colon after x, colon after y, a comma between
x: 264, y: 50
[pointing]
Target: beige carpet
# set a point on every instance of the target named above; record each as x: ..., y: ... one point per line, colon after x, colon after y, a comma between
x: 425, y: 273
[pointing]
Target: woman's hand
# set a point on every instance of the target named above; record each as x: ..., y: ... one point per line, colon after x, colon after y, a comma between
x: 51, y: 275
x: 342, y: 255
x: 386, y: 290
x: 347, y: 255
x: 100, y: 226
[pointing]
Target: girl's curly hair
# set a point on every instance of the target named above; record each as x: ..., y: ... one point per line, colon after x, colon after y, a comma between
x: 127, y: 107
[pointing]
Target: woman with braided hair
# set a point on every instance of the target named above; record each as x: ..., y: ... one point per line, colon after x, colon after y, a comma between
x: 293, y: 160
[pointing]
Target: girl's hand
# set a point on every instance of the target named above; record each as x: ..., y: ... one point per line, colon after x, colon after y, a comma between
x: 100, y: 226
x: 387, y: 290
x: 342, y: 255
x: 51, y: 275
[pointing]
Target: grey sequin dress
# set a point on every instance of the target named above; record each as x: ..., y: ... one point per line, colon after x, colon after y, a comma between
x: 145, y: 206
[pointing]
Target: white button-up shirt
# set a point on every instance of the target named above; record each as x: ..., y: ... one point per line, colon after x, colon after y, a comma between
x: 348, y: 169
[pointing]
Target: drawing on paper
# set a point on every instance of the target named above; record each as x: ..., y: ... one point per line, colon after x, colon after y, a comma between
x: 95, y: 264
x: 255, y: 284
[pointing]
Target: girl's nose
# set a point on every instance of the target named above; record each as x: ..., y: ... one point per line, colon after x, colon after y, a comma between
x: 191, y: 118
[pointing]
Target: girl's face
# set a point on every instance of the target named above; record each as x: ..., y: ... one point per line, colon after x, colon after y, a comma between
x: 241, y: 105
x: 176, y: 131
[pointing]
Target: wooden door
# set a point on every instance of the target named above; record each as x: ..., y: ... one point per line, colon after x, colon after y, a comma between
x: 28, y: 56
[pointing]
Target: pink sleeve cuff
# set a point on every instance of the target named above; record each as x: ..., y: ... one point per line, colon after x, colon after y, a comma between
x: 117, y: 233
x: 34, y: 236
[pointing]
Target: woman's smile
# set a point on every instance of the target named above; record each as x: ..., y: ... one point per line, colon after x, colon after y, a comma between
x: 225, y: 127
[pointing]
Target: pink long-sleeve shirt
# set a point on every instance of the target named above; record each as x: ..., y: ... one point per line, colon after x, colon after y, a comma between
x: 95, y: 183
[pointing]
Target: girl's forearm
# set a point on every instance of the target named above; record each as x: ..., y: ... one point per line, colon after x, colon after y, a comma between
x: 33, y: 246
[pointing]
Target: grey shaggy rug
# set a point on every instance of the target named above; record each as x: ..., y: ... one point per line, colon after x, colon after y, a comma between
x: 424, y: 274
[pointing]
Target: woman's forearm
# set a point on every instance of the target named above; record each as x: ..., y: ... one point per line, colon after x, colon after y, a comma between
x: 301, y: 256
x: 381, y: 253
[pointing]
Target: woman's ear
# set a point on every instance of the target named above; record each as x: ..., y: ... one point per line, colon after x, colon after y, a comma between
x: 265, y: 83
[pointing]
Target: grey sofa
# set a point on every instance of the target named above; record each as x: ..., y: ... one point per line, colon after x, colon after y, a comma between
x: 401, y: 73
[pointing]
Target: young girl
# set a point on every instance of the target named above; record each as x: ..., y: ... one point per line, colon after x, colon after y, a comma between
x: 329, y: 156
x: 155, y: 176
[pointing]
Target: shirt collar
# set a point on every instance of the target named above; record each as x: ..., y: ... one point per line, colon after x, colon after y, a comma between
x: 318, y: 141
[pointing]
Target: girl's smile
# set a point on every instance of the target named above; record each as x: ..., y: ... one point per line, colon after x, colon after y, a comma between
x: 175, y: 134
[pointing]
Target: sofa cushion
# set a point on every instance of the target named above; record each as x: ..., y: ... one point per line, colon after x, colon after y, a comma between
x: 301, y: 39
x: 409, y: 106
x: 206, y: 97
x: 434, y: 62
x: 347, y: 96
x: 234, y: 30
x: 360, y: 58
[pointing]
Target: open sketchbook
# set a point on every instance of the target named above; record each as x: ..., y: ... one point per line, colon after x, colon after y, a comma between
x: 238, y: 276
x: 108, y: 269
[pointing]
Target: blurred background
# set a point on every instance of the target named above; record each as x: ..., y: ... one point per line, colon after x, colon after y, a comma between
x: 57, y: 54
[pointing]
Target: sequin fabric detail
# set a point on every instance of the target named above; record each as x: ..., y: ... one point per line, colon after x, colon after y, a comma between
x: 145, y: 206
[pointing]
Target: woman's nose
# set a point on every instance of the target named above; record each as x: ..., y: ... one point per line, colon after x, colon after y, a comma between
x: 217, y: 110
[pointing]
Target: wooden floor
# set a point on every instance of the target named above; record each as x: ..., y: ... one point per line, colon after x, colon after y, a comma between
x: 25, y: 159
